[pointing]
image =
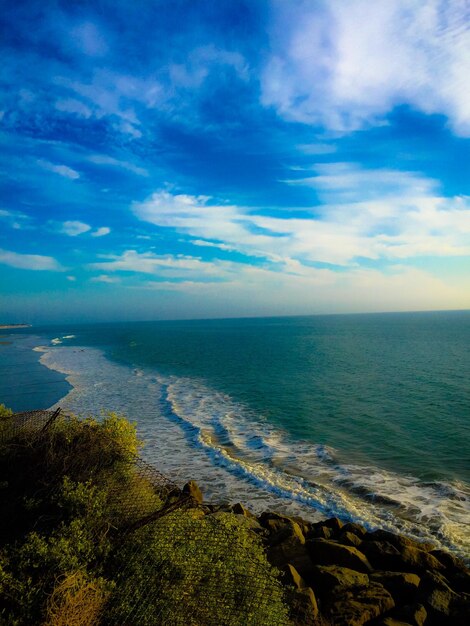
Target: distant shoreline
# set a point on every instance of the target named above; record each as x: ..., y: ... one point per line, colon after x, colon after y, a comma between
x: 3, y: 326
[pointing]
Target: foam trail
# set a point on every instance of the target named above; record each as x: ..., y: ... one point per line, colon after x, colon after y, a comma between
x: 192, y: 431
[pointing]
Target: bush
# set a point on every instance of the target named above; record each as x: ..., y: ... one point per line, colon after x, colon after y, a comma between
x: 4, y: 411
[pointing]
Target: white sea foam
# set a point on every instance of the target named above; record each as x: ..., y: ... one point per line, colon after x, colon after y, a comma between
x: 192, y: 431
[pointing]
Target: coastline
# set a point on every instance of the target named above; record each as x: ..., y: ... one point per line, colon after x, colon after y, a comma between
x: 265, y: 476
x: 172, y: 443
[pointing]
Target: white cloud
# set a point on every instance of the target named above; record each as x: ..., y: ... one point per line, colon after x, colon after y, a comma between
x: 28, y: 261
x: 104, y: 278
x: 103, y: 159
x: 151, y: 263
x: 402, y: 217
x: 345, y: 66
x: 212, y: 244
x: 72, y: 279
x: 349, y: 182
x: 73, y: 228
x: 62, y: 170
x: 101, y: 232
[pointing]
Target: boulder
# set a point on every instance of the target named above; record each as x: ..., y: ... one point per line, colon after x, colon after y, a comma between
x: 303, y: 607
x: 349, y: 539
x: 406, y: 558
x: 325, y: 552
x: 327, y: 529
x: 287, y: 545
x: 239, y: 509
x: 320, y: 532
x: 356, y: 529
x: 414, y: 614
x: 304, y: 526
x: 357, y: 606
x: 327, y: 578
x: 191, y: 489
x: 303, y: 564
x: 399, y: 541
x: 382, y: 554
x: 433, y: 580
x: 439, y: 603
x: 416, y: 559
x: 280, y: 528
x: 401, y: 585
x: 455, y: 570
x: 460, y: 610
x: 439, y: 599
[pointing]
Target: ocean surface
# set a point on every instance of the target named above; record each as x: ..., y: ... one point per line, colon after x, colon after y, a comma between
x: 365, y: 417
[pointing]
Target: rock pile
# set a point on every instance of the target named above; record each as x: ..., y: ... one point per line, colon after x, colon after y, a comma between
x: 341, y: 575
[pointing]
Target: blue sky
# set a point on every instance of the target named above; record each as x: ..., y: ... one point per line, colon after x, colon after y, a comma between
x: 218, y: 158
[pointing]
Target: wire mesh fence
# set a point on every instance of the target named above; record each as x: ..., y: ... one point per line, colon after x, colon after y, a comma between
x: 29, y: 421
x: 174, y: 560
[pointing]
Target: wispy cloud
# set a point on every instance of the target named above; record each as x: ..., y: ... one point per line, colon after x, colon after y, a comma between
x: 62, y: 170
x: 103, y: 159
x: 15, y: 219
x: 73, y: 228
x: 151, y: 263
x: 104, y: 278
x: 101, y: 232
x: 29, y: 261
x: 346, y: 67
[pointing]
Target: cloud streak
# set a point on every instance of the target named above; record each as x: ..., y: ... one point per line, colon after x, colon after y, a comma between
x: 400, y: 218
x: 33, y: 262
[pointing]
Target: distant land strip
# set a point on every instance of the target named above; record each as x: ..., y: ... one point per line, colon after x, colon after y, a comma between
x: 15, y: 326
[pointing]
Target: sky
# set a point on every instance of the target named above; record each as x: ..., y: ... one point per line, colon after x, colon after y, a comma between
x: 225, y: 158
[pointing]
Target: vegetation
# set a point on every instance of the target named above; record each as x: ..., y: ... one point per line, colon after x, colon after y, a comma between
x: 74, y: 551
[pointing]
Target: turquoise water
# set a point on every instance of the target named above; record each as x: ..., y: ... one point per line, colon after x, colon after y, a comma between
x: 364, y: 416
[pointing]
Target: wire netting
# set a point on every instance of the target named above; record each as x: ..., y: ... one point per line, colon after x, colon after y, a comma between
x: 20, y: 423
x: 175, y: 561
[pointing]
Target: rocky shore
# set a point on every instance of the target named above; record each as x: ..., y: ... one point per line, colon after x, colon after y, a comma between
x: 339, y: 574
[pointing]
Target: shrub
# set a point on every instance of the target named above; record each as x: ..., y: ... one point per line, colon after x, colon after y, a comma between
x: 4, y: 411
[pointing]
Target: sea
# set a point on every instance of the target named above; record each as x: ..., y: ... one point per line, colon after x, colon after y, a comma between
x: 363, y: 417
